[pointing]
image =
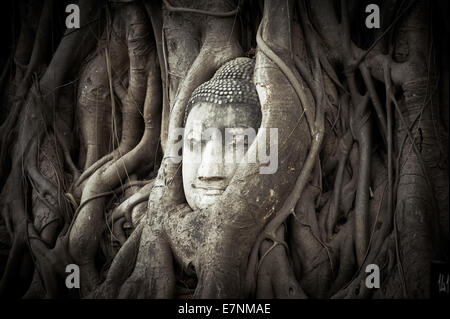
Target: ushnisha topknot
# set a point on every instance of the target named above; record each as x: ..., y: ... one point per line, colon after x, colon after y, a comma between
x: 232, y: 83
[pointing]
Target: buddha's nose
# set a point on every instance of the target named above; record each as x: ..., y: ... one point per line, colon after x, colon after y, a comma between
x: 211, y: 166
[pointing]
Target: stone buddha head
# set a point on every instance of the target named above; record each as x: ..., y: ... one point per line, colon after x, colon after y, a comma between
x: 219, y: 116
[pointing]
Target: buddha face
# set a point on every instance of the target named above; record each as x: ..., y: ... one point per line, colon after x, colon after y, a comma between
x: 210, y: 153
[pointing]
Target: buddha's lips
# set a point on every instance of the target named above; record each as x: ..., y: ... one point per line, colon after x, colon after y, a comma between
x: 210, y: 189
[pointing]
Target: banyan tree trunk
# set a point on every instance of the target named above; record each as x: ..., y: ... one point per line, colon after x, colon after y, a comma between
x: 89, y: 123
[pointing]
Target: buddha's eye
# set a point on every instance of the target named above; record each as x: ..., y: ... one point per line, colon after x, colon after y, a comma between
x: 239, y: 140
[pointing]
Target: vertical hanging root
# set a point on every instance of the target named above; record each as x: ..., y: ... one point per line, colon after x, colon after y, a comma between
x: 331, y: 219
x: 364, y: 138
